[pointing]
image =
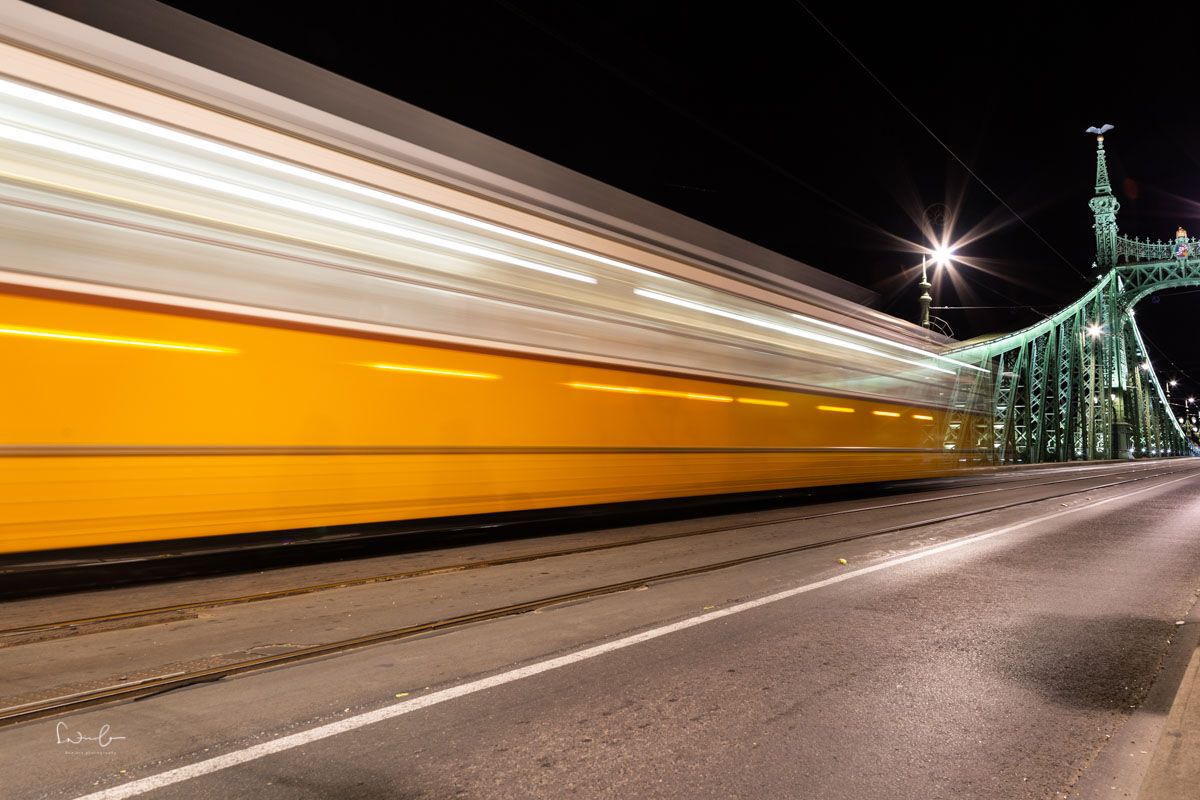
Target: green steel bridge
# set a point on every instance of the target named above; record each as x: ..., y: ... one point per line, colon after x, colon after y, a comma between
x: 1079, y: 385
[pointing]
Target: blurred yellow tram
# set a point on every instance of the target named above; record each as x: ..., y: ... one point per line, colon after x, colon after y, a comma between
x: 213, y: 325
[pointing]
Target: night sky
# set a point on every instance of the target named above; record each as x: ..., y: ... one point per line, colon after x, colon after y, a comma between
x: 753, y: 118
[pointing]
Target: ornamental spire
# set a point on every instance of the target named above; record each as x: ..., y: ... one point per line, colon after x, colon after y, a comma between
x: 1104, y: 206
x: 1102, y: 184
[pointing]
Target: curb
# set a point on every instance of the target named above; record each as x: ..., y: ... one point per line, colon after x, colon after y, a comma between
x: 1174, y: 771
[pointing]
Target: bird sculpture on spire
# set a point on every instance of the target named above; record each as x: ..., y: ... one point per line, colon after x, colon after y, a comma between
x: 1103, y: 129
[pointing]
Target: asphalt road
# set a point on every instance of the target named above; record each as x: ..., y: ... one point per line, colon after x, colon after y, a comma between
x: 1019, y: 654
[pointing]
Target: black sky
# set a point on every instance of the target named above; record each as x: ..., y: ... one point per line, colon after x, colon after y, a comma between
x: 753, y: 118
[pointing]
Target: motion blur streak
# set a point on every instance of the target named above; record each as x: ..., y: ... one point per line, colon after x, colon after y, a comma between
x: 794, y: 331
x: 886, y: 413
x: 90, y: 338
x: 66, y: 147
x: 653, y: 392
x: 888, y: 342
x: 206, y: 145
x: 431, y: 371
x: 753, y: 402
x: 401, y: 350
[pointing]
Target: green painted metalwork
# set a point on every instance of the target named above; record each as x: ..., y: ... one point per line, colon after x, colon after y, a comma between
x: 1079, y: 384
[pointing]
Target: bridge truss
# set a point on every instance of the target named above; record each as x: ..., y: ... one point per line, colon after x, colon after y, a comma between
x: 1079, y: 384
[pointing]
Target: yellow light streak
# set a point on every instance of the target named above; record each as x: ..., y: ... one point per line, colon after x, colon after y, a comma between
x: 925, y: 417
x: 601, y: 387
x: 449, y: 373
x: 886, y: 413
x: 838, y: 409
x: 754, y: 402
x: 91, y: 338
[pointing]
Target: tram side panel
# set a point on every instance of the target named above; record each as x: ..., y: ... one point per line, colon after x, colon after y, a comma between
x: 133, y: 424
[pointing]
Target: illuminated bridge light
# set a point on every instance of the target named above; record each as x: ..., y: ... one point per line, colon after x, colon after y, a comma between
x: 602, y: 387
x: 925, y: 417
x: 886, y: 413
x: 755, y: 402
x: 91, y: 338
x: 838, y: 409
x: 450, y: 373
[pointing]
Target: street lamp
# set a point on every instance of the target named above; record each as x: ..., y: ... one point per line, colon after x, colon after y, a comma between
x: 941, y: 257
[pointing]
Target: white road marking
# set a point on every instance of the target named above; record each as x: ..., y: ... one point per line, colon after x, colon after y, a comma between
x: 232, y: 759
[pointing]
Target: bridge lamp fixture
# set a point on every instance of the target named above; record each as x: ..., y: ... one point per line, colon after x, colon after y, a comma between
x: 941, y: 255
x: 1094, y: 331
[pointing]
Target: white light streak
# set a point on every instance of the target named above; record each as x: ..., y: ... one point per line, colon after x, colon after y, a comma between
x: 888, y: 342
x: 178, y: 175
x: 282, y: 167
x: 800, y: 332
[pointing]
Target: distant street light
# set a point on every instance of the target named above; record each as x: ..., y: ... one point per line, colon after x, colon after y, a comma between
x: 935, y: 220
x: 1094, y: 330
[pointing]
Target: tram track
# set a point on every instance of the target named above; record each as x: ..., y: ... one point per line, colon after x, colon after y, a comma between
x: 171, y: 681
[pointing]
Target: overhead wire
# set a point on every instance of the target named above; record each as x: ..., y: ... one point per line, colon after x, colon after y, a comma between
x: 770, y: 163
x: 939, y: 140
x: 693, y: 118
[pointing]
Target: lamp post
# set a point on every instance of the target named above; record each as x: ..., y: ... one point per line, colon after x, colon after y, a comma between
x: 941, y: 258
x: 925, y: 298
